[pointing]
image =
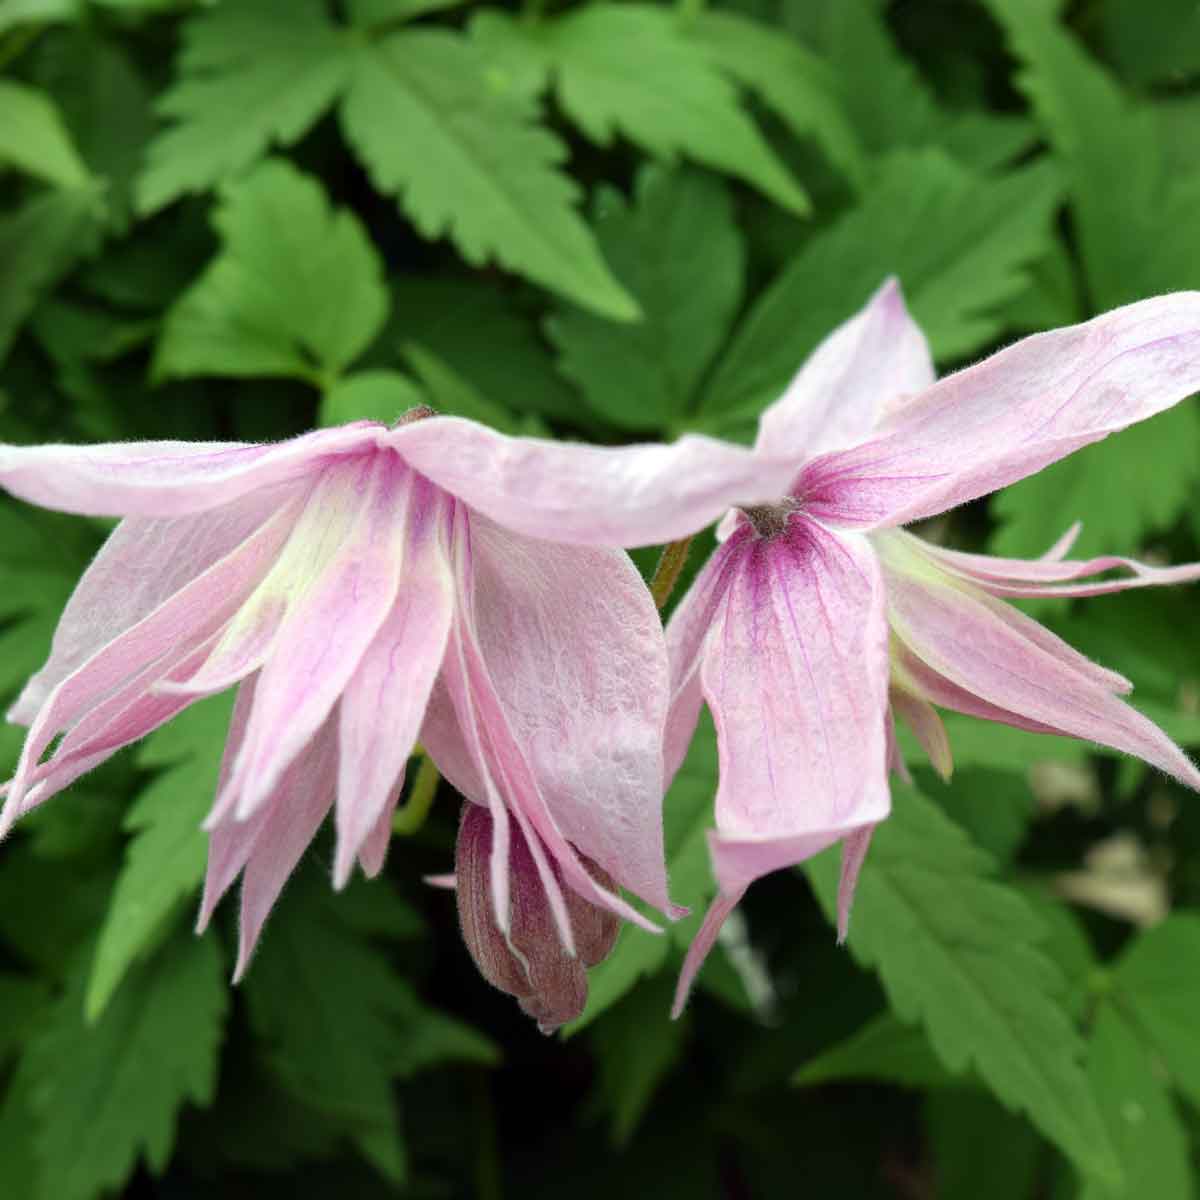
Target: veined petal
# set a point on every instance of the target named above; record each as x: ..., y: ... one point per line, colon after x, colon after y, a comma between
x: 167, y: 479
x: 864, y: 366
x: 573, y: 646
x: 796, y: 675
x: 338, y: 579
x: 605, y: 496
x: 955, y: 630
x: 1057, y: 577
x: 292, y: 815
x: 142, y: 564
x: 193, y: 612
x: 384, y: 703
x: 687, y: 633
x: 1013, y: 414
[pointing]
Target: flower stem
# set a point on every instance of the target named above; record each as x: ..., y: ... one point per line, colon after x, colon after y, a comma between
x: 410, y: 816
x: 666, y: 574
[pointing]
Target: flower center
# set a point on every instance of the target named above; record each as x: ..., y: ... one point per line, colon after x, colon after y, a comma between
x: 770, y: 520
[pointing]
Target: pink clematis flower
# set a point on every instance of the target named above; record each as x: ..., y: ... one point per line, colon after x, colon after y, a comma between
x: 358, y: 605
x: 818, y: 615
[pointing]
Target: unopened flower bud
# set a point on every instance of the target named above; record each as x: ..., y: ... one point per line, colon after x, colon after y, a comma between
x: 531, y: 963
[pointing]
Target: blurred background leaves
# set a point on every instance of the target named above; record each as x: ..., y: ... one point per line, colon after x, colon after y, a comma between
x: 609, y: 221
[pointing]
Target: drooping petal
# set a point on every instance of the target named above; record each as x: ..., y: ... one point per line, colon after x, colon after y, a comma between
x: 605, y: 496
x: 141, y: 565
x: 995, y: 669
x: 293, y: 814
x: 865, y: 365
x: 188, y: 617
x: 338, y: 578
x: 1057, y: 577
x: 573, y: 646
x: 168, y: 479
x: 687, y: 633
x: 1013, y: 414
x: 915, y: 710
x: 384, y: 702
x: 795, y: 672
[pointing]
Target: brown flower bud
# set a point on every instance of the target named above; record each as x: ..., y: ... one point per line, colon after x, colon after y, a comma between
x: 531, y: 963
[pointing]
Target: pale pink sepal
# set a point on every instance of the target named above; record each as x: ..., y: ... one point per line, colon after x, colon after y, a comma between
x: 168, y: 479
x: 1013, y: 414
x: 701, y: 946
x: 602, y: 496
x: 868, y: 365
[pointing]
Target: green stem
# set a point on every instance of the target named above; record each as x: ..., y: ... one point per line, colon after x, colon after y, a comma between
x: 410, y: 816
x: 666, y: 574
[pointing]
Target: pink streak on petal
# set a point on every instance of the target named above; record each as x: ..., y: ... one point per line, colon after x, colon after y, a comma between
x: 141, y: 565
x: 871, y: 361
x: 796, y: 675
x: 196, y: 610
x: 1042, y: 577
x: 624, y: 496
x: 294, y: 812
x: 702, y: 944
x: 959, y: 635
x: 167, y: 479
x: 327, y: 629
x: 687, y: 635
x: 384, y: 702
x: 1013, y: 414
x: 572, y: 645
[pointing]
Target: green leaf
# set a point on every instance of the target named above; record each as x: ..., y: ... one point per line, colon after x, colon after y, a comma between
x: 884, y: 1049
x: 790, y: 79
x: 19, y: 1174
x: 1133, y: 212
x: 627, y: 69
x: 1157, y: 986
x: 1158, y: 47
x: 687, y: 816
x: 22, y: 1000
x: 472, y: 163
x: 453, y: 395
x: 635, y: 1048
x: 681, y: 255
x: 296, y: 290
x: 891, y: 106
x: 17, y: 12
x: 249, y: 75
x: 39, y: 243
x: 366, y: 13
x: 164, y: 863
x: 378, y: 395
x: 1108, y: 487
x: 34, y: 139
x: 959, y: 243
x: 109, y: 1093
x: 1151, y: 1142
x: 341, y: 1024
x: 483, y: 331
x: 958, y: 951
x: 994, y: 807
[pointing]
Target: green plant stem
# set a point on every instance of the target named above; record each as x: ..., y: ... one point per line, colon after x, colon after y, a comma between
x: 410, y: 816
x: 666, y: 574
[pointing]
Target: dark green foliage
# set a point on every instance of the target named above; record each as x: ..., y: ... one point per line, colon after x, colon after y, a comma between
x: 612, y: 222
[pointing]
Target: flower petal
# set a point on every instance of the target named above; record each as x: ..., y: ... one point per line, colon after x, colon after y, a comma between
x: 870, y: 362
x: 189, y: 616
x: 566, y: 492
x: 573, y: 646
x: 796, y: 675
x: 343, y: 588
x: 292, y: 815
x: 1013, y: 414
x: 384, y: 702
x: 142, y: 564
x: 1055, y: 577
x: 954, y: 629
x: 167, y: 479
